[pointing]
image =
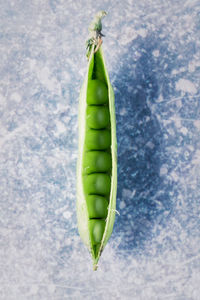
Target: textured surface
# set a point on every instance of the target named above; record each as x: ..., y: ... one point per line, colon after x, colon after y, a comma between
x: 152, y: 50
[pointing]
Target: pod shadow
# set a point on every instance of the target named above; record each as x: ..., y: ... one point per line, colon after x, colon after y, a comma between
x: 142, y: 195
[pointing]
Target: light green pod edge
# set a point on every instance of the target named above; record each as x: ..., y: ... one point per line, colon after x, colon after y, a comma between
x: 82, y: 212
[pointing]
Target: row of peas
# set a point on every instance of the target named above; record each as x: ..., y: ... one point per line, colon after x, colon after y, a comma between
x: 97, y: 162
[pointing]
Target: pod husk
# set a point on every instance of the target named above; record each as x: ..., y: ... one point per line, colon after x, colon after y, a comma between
x: 82, y: 212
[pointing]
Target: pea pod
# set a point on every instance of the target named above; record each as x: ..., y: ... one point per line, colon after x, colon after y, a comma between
x: 97, y: 155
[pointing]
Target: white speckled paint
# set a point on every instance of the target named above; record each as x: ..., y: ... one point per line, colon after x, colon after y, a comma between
x: 152, y: 50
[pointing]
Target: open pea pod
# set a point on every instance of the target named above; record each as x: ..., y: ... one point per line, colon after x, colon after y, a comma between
x: 97, y: 155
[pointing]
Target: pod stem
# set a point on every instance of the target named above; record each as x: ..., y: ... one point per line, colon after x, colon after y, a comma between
x: 95, y: 37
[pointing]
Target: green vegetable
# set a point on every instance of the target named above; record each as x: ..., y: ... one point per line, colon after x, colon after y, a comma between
x: 97, y: 161
x: 98, y: 117
x: 97, y: 93
x: 97, y: 206
x: 97, y: 157
x: 96, y: 228
x: 97, y: 184
x: 97, y: 139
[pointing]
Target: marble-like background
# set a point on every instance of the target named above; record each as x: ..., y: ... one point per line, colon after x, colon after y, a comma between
x: 152, y: 50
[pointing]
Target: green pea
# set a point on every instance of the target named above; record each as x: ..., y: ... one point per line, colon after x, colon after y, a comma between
x: 97, y: 139
x: 97, y: 183
x: 97, y: 92
x: 96, y: 228
x: 98, y: 117
x: 97, y: 206
x: 96, y: 161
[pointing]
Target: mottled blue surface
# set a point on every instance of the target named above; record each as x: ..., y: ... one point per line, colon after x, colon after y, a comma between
x: 152, y: 51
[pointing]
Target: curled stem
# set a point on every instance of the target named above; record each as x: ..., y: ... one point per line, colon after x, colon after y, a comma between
x: 95, y: 37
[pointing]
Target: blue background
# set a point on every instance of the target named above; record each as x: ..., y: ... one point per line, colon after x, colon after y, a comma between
x: 152, y: 52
